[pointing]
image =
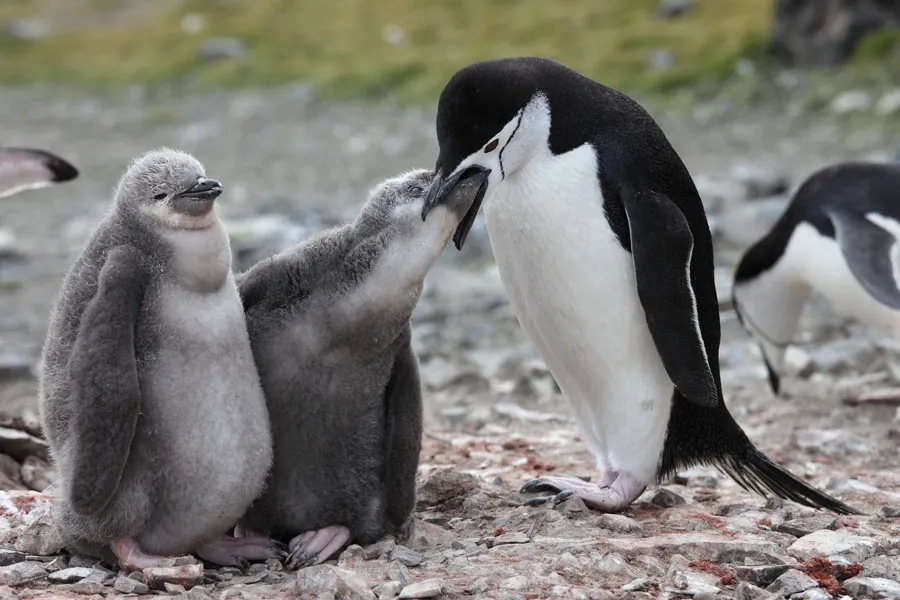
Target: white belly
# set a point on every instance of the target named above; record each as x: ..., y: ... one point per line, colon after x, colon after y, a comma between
x: 205, y: 402
x: 820, y: 261
x: 573, y: 288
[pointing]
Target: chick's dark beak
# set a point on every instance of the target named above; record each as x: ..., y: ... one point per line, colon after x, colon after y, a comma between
x: 461, y: 192
x: 204, y: 189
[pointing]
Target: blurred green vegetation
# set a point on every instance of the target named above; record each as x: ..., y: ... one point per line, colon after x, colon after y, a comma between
x: 405, y: 48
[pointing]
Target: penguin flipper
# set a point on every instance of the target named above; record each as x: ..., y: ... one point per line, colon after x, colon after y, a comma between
x: 28, y: 168
x: 402, y: 435
x: 661, y: 247
x: 868, y: 251
x: 105, y: 391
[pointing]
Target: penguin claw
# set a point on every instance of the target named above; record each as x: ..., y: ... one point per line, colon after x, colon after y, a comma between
x: 563, y: 496
x: 537, y: 485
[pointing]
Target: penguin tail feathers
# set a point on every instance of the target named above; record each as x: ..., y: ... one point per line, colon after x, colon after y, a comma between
x: 756, y: 472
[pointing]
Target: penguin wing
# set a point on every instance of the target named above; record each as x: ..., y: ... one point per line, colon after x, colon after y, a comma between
x: 27, y: 168
x: 661, y: 246
x: 105, y: 392
x: 868, y: 249
x: 402, y: 434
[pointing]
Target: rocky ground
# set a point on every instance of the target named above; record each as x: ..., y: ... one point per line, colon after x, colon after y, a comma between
x: 494, y: 417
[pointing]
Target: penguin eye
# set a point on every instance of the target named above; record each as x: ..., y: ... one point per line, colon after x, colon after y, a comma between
x: 491, y: 145
x: 159, y: 196
x: 416, y: 190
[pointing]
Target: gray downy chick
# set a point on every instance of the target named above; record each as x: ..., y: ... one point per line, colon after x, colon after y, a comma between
x: 149, y: 396
x: 329, y: 322
x: 29, y: 168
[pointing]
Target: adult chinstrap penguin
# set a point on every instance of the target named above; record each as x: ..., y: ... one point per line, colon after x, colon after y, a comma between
x: 605, y: 253
x: 837, y: 236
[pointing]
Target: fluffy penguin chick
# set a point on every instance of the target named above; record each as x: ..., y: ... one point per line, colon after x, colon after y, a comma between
x: 329, y: 322
x: 29, y: 168
x: 837, y: 236
x: 149, y: 396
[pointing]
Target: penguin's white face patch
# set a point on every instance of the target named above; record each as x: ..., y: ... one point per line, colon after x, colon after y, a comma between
x: 162, y: 212
x: 510, y: 149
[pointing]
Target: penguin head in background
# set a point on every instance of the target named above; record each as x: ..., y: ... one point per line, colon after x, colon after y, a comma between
x: 171, y: 188
x: 493, y: 118
x: 31, y: 168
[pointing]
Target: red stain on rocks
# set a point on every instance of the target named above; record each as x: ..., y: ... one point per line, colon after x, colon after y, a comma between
x: 516, y: 444
x: 828, y: 575
x: 712, y: 568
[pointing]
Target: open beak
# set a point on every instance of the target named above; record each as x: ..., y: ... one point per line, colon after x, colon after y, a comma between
x: 472, y: 183
x: 204, y: 189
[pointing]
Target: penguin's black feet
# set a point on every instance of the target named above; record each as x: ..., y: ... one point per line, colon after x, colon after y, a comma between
x: 614, y: 493
x: 315, y: 547
x: 239, y: 551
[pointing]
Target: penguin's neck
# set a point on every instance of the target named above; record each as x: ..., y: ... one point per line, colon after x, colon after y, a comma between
x: 200, y: 259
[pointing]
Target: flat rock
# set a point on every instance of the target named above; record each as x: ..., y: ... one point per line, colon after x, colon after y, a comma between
x: 10, y: 557
x: 872, y: 587
x: 407, y: 556
x: 127, y: 585
x: 762, y: 575
x: 792, y: 581
x: 20, y: 444
x: 883, y: 566
x: 619, y: 523
x: 513, y: 537
x: 666, y: 498
x: 851, y: 547
x: 746, y: 591
x: 22, y: 573
x: 185, y: 575
x: 343, y: 584
x: 429, y: 588
x: 806, y: 525
x: 70, y: 575
x: 446, y: 488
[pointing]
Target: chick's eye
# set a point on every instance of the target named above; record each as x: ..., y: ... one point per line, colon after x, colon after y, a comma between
x: 491, y: 145
x: 159, y: 196
x: 416, y: 190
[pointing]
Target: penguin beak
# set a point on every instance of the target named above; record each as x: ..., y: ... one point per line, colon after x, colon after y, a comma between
x: 472, y: 182
x: 204, y: 189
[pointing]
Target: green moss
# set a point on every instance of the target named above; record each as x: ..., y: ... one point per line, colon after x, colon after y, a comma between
x: 407, y: 48
x: 878, y: 46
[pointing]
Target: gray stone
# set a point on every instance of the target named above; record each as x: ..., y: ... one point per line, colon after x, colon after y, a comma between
x: 70, y: 575
x: 851, y: 101
x: 813, y: 594
x: 447, y: 488
x: 882, y: 566
x: 27, y: 30
x: 37, y: 474
x: 827, y: 543
x: 222, y: 48
x: 661, y: 60
x: 126, y: 585
x: 513, y: 537
x: 693, y: 584
x: 389, y: 589
x: 762, y: 575
x: 666, y: 498
x: 20, y: 444
x: 806, y: 525
x: 889, y: 103
x: 636, y: 585
x: 872, y: 587
x: 747, y: 591
x: 22, y: 573
x: 87, y: 588
x: 760, y: 182
x: 836, y: 443
x: 10, y: 557
x: 619, y: 523
x: 344, y: 584
x: 429, y: 588
x: 890, y: 512
x: 517, y: 583
x: 408, y: 557
x: 792, y: 581
x: 40, y: 535
x: 187, y: 575
x: 613, y: 564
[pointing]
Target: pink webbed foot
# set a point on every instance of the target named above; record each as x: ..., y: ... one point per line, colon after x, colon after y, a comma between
x: 132, y: 557
x: 238, y: 551
x: 613, y: 493
x: 315, y: 547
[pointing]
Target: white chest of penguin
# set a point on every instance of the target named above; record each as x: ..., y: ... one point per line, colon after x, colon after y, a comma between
x: 573, y: 289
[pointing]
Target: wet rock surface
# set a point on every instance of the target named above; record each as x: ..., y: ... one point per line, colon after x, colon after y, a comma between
x: 494, y: 416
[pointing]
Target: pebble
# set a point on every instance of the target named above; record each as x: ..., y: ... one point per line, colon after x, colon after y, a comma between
x: 619, y: 523
x: 342, y: 583
x: 889, y: 103
x: 21, y: 573
x: 747, y: 591
x: 389, y: 589
x: 759, y: 575
x: 40, y: 536
x: 186, y: 575
x: 429, y: 588
x: 851, y: 101
x: 446, y: 488
x: 126, y: 585
x: 513, y: 537
x: 661, y: 60
x: 10, y: 557
x: 669, y: 9
x: 760, y: 182
x: 70, y: 575
x: 636, y: 585
x: 806, y: 525
x: 406, y: 556
x: 872, y: 587
x: 827, y: 543
x: 666, y: 498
